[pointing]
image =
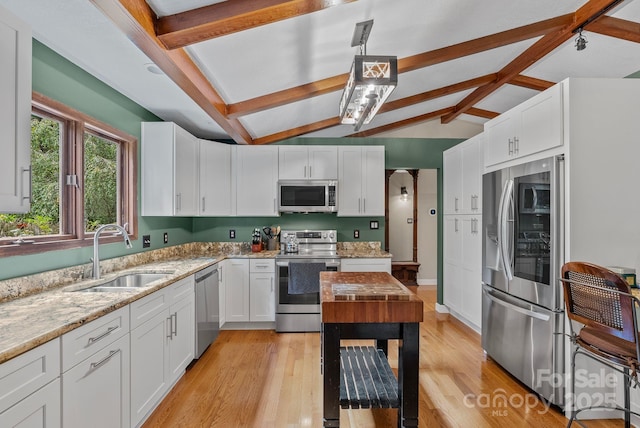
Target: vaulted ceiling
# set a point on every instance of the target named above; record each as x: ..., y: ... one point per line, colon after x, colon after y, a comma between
x: 260, y: 71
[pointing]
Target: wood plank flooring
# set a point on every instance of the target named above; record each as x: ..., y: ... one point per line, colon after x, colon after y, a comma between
x: 265, y: 379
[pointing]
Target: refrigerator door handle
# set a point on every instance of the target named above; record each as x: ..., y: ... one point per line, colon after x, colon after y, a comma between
x: 517, y: 308
x: 506, y: 200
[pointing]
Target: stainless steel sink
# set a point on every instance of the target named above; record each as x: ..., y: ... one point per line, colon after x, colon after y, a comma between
x: 126, y: 282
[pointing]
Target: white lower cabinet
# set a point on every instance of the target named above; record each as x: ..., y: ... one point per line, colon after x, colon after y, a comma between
x: 95, y: 393
x: 162, y: 344
x: 249, y: 290
x: 95, y: 373
x: 236, y: 284
x: 39, y: 410
x: 30, y: 388
x: 366, y: 265
x: 462, y: 267
x: 262, y: 293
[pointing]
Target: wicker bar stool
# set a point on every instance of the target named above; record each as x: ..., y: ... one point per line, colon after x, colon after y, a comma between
x: 602, y: 302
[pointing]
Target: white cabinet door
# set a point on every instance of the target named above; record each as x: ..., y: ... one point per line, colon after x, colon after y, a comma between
x: 39, y: 410
x: 262, y: 297
x: 169, y: 170
x: 95, y: 393
x: 452, y: 256
x: 361, y: 181
x: 500, y: 135
x: 15, y: 114
x: 215, y: 182
x: 541, y: 122
x: 323, y: 162
x: 257, y: 181
x: 149, y: 365
x: 373, y: 181
x: 470, y: 174
x: 452, y: 180
x: 237, y: 290
x: 293, y: 162
x: 366, y: 265
x: 308, y: 162
x: 471, y: 269
x: 186, y: 173
x: 181, y: 345
x: 531, y: 127
x: 350, y: 180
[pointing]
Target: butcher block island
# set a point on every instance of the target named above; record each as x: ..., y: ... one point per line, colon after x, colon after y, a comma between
x: 369, y: 305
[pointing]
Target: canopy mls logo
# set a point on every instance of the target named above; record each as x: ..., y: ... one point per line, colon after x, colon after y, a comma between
x: 596, y: 389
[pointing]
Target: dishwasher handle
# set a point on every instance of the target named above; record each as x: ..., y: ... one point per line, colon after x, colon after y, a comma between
x: 202, y: 275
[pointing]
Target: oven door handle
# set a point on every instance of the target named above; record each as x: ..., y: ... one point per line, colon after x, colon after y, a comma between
x: 329, y: 264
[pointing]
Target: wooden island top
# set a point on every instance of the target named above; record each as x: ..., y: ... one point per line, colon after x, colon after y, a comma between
x: 367, y: 297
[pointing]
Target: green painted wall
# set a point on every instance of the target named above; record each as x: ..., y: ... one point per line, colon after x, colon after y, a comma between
x: 61, y: 80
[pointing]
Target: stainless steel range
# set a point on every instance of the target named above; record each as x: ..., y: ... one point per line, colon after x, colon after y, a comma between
x: 298, y: 291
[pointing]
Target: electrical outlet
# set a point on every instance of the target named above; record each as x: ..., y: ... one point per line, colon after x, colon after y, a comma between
x: 232, y: 234
x: 356, y: 234
x: 166, y: 238
x: 146, y: 241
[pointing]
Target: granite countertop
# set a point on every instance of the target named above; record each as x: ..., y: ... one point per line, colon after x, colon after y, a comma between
x: 41, y: 307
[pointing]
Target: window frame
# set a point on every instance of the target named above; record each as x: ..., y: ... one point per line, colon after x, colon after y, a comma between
x: 73, y: 234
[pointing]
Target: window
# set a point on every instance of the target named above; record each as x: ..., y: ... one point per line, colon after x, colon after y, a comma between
x: 83, y: 175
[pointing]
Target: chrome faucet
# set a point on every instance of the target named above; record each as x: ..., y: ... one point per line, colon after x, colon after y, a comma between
x: 96, y: 239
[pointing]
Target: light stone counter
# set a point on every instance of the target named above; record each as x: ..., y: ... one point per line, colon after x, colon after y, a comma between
x: 41, y: 307
x: 37, y: 308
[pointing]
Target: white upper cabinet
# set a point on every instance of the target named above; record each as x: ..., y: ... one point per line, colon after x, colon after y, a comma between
x: 531, y: 127
x: 308, y: 162
x: 361, y: 181
x: 257, y: 181
x: 462, y: 172
x: 217, y: 197
x: 15, y: 114
x: 169, y: 170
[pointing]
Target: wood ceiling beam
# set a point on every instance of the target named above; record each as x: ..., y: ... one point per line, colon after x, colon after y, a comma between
x: 403, y: 123
x: 231, y: 16
x: 404, y: 102
x: 287, y: 96
x: 589, y: 11
x: 531, y: 83
x: 487, y: 114
x: 436, y: 93
x: 616, y: 27
x: 295, y: 132
x: 135, y: 20
x: 407, y: 64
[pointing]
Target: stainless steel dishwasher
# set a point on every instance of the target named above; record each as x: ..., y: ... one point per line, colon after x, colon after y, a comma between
x: 207, y: 308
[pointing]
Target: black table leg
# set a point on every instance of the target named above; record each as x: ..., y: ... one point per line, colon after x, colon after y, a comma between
x: 408, y: 365
x: 383, y: 344
x: 331, y: 374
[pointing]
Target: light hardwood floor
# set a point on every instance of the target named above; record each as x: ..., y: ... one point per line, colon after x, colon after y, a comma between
x: 265, y: 379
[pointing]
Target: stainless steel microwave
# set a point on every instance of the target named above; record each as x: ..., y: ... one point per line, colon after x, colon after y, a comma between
x: 319, y: 196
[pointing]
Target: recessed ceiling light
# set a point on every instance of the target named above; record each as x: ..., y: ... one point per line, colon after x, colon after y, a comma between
x: 152, y: 68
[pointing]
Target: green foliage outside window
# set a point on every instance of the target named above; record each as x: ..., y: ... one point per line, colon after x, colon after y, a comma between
x: 100, y: 183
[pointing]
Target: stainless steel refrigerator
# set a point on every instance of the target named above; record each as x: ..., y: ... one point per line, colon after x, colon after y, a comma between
x: 522, y: 307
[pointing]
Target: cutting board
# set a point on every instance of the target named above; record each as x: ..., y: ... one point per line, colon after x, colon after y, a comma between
x: 389, y: 291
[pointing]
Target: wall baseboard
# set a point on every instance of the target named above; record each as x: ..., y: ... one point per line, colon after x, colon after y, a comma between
x: 441, y: 309
x: 427, y: 281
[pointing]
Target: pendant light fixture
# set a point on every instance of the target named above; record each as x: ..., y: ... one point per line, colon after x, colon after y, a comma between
x: 371, y: 80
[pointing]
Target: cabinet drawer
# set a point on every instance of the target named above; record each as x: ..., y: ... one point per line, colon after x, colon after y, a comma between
x: 80, y: 343
x: 181, y: 289
x: 28, y: 372
x: 149, y: 306
x: 261, y: 265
